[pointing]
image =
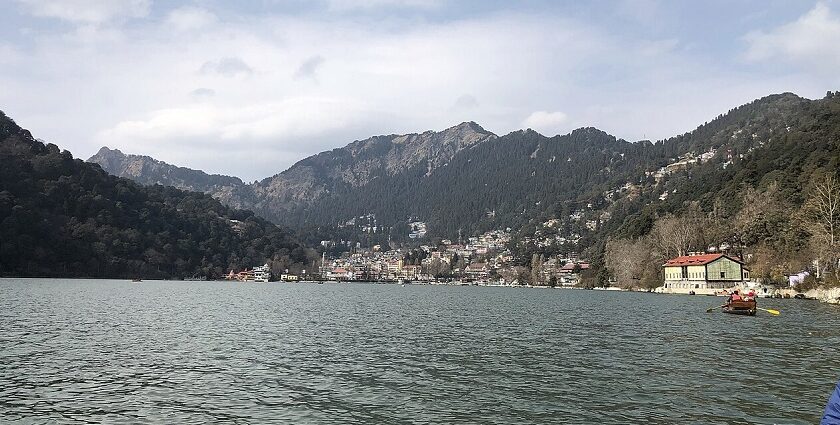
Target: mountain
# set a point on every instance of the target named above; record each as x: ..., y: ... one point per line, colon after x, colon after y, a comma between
x: 311, y: 179
x: 149, y: 171
x: 465, y: 180
x: 286, y: 196
x: 63, y: 217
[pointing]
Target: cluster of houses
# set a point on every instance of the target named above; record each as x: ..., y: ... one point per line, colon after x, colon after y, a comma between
x: 473, y: 259
x: 484, y: 260
x: 481, y: 260
x: 257, y: 274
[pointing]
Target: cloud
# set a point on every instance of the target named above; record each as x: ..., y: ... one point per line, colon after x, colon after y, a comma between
x: 658, y: 47
x: 548, y: 123
x: 190, y: 18
x: 228, y: 67
x: 87, y: 11
x: 811, y: 42
x: 203, y: 92
x: 186, y: 95
x: 347, y: 5
x: 222, y: 125
x: 466, y: 101
x: 308, y: 68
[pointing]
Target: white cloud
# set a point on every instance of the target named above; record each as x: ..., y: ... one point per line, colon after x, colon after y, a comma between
x: 345, y: 5
x: 466, y: 101
x: 228, y: 88
x: 203, y: 92
x: 190, y: 18
x: 215, y: 123
x: 229, y: 67
x: 87, y: 11
x: 811, y: 42
x: 308, y: 68
x: 548, y: 123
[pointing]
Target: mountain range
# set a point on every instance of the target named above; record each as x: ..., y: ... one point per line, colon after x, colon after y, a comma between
x: 465, y: 180
x: 284, y: 197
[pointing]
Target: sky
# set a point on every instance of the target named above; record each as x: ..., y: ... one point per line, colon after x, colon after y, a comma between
x: 249, y: 88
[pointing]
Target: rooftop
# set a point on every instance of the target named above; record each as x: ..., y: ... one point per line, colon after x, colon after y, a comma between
x: 696, y: 260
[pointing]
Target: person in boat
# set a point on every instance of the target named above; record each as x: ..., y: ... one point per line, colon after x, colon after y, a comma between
x: 734, y: 296
x: 750, y: 295
x: 832, y: 408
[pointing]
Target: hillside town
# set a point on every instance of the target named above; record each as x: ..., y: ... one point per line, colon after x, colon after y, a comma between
x: 483, y: 259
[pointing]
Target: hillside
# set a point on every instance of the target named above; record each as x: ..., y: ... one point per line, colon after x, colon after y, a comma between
x: 63, y: 217
x: 281, y: 198
x: 149, y: 171
x: 588, y: 184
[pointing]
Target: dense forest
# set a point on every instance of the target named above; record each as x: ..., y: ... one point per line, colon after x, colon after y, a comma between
x: 60, y: 216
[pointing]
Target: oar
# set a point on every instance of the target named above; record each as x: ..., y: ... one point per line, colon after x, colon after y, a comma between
x: 715, y: 308
x: 771, y: 311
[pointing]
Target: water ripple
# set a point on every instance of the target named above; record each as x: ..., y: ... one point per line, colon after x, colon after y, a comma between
x: 199, y: 352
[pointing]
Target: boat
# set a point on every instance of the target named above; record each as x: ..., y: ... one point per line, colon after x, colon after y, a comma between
x: 136, y: 280
x: 747, y: 308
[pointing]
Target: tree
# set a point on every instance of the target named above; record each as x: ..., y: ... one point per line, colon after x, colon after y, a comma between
x: 626, y: 261
x: 821, y: 214
x: 536, y: 269
x: 675, y: 236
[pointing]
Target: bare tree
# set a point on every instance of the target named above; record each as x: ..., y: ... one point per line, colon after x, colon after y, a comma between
x: 821, y: 214
x: 626, y: 260
x: 676, y: 236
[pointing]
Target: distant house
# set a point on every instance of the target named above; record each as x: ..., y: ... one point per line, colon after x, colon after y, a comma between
x: 285, y: 277
x: 340, y: 274
x: 477, y: 271
x: 261, y: 273
x: 574, y: 267
x: 703, y: 274
x: 410, y: 272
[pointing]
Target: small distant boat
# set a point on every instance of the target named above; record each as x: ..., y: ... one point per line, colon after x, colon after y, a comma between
x: 136, y: 280
x: 746, y: 308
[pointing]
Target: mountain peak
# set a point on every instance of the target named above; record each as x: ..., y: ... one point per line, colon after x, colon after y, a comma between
x: 470, y: 126
x: 107, y: 151
x: 147, y: 170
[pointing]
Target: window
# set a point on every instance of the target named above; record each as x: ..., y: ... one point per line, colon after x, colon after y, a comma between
x: 723, y: 275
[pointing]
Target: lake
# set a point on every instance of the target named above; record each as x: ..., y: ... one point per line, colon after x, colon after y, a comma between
x: 197, y: 352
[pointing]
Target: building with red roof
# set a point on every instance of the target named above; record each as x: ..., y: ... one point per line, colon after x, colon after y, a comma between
x: 703, y: 273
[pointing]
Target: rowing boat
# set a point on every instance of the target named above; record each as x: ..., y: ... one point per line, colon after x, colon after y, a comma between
x: 741, y: 307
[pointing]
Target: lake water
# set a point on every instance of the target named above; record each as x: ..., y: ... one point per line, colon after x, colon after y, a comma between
x: 197, y: 352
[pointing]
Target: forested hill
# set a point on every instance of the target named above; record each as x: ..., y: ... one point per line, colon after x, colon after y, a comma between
x: 284, y: 197
x: 767, y: 191
x: 589, y: 184
x: 63, y: 217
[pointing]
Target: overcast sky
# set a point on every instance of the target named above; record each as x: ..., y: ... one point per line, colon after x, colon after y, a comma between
x: 249, y: 90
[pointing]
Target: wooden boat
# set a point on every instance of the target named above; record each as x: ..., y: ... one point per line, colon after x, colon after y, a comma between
x: 741, y: 307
